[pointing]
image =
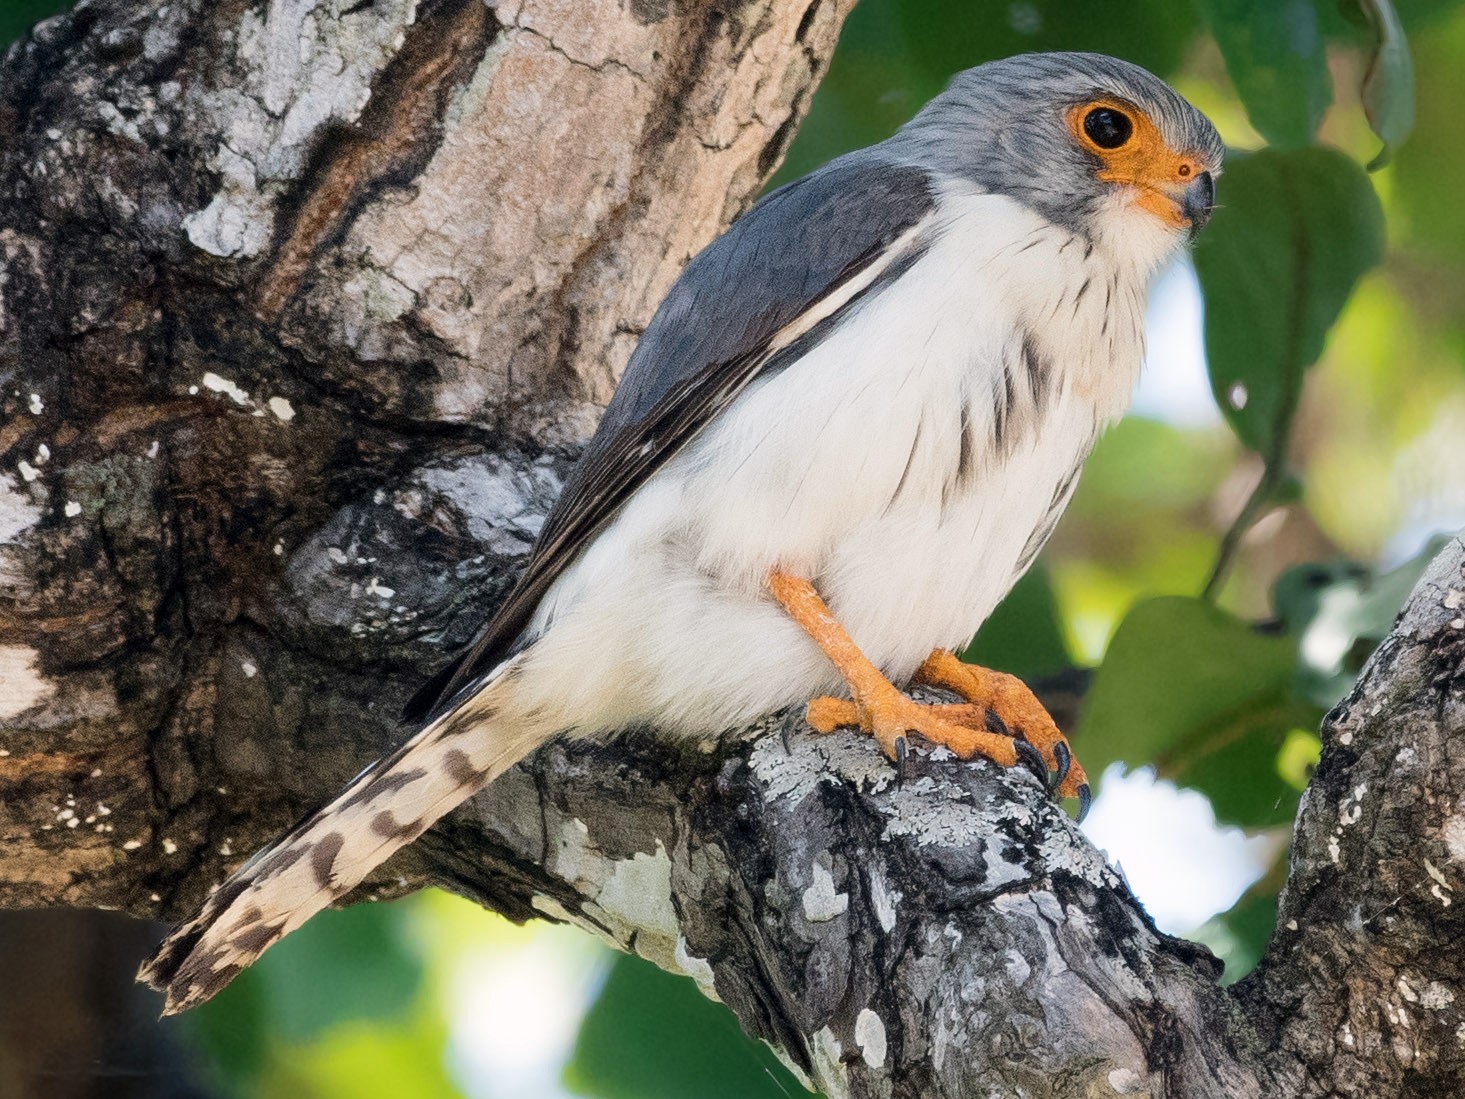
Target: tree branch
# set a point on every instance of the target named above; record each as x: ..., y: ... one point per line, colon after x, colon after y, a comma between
x: 296, y: 345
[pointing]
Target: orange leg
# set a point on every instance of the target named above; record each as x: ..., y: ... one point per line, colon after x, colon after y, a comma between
x: 1016, y: 707
x: 878, y: 706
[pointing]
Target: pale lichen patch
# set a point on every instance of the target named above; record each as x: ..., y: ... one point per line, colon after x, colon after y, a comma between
x: 794, y: 1069
x: 795, y: 772
x: 830, y: 1071
x: 635, y: 904
x: 699, y: 969
x: 215, y: 383
x: 884, y: 900
x: 22, y: 687
x: 1125, y: 1081
x: 870, y: 1037
x: 553, y: 909
x: 1453, y: 833
x: 302, y: 69
x: 821, y: 901
x: 783, y: 774
x: 1436, y: 996
x: 1441, y: 890
x: 378, y: 589
x: 18, y: 513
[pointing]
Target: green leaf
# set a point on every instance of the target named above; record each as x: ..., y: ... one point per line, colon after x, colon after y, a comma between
x: 1388, y: 85
x: 346, y: 965
x: 19, y: 16
x: 1276, y: 56
x: 945, y: 36
x: 1292, y: 235
x: 652, y: 1035
x: 1239, y: 936
x: 1203, y: 697
x: 1237, y: 765
x: 1339, y: 612
x: 232, y: 1031
x: 1298, y: 758
x: 1024, y: 635
x: 364, y: 1060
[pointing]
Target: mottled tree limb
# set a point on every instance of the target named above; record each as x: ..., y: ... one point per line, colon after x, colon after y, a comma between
x: 304, y: 310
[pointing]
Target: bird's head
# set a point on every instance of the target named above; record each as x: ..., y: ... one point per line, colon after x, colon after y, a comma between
x: 1093, y: 143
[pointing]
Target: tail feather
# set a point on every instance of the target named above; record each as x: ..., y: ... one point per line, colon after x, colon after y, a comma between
x: 327, y: 854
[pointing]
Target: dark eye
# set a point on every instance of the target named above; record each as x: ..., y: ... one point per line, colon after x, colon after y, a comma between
x: 1107, y: 128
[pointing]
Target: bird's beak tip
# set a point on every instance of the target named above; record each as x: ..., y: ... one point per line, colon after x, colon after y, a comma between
x: 1197, y: 201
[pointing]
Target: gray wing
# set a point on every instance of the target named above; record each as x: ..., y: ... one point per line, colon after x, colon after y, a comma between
x: 717, y: 330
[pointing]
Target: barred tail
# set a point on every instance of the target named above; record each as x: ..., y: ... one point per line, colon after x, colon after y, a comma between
x: 387, y: 806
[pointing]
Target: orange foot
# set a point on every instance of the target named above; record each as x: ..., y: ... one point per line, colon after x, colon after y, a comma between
x: 878, y: 706
x: 1007, y: 700
x: 888, y: 716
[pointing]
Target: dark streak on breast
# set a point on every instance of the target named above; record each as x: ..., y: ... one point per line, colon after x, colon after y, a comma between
x: 1082, y: 290
x: 966, y: 458
x: 1035, y: 238
x: 1056, y: 505
x: 910, y: 460
x: 1002, y: 397
x: 1037, y: 370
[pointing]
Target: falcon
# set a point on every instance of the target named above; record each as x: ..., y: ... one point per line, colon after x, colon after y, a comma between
x: 845, y: 434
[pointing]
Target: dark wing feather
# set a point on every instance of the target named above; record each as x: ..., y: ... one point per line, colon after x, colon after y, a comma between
x: 711, y: 336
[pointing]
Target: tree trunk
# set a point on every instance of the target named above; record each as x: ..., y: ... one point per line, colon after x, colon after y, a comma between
x: 304, y: 310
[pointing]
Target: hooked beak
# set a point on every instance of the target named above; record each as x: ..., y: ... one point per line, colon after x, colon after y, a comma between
x: 1197, y: 201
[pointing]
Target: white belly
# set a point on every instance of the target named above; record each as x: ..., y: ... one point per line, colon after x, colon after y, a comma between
x: 848, y: 468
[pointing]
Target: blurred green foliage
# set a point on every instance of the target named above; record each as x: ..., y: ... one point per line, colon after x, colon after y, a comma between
x: 652, y: 1035
x: 1336, y: 354
x: 1295, y: 233
x: 1204, y: 698
x: 18, y: 16
x: 346, y: 967
x: 1277, y: 60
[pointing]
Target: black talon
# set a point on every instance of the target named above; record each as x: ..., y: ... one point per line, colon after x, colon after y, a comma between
x: 1085, y: 799
x: 1032, y: 759
x: 995, y: 724
x: 787, y: 731
x: 901, y: 749
x: 1064, y: 758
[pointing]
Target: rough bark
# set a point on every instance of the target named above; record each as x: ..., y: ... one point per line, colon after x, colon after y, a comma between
x: 304, y: 309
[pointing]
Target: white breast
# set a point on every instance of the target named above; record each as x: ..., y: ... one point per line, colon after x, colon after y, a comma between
x: 911, y: 465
